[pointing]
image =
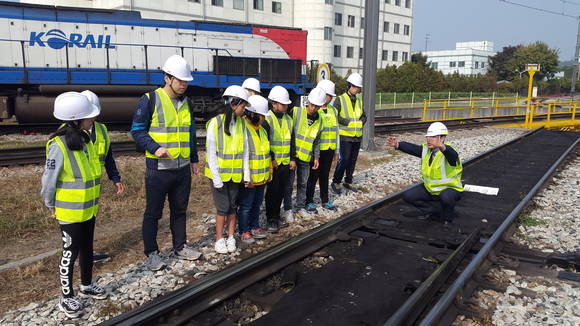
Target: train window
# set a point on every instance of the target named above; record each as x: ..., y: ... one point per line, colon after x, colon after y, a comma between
x: 239, y: 4
x: 217, y: 3
x: 258, y: 4
x: 276, y: 7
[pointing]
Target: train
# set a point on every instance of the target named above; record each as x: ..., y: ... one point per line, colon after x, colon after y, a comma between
x: 47, y: 50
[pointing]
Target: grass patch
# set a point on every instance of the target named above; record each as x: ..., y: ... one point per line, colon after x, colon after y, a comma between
x: 529, y: 221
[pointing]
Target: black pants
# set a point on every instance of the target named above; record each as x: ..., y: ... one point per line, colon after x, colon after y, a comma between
x: 77, y: 240
x: 275, y: 192
x: 346, y: 161
x: 320, y: 175
x: 175, y: 185
x: 419, y: 197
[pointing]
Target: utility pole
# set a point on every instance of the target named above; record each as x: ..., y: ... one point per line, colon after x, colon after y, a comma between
x: 427, y: 37
x: 371, y: 46
x: 576, y: 59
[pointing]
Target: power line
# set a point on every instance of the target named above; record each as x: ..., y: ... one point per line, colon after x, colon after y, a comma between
x: 570, y: 3
x: 539, y: 9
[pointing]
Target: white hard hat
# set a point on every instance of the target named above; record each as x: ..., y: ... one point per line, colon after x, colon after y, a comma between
x: 327, y: 86
x: 253, y: 84
x: 258, y: 104
x: 279, y: 94
x: 437, y: 129
x: 72, y: 106
x: 356, y: 79
x: 177, y: 67
x: 236, y: 91
x: 317, y: 96
x: 93, y: 98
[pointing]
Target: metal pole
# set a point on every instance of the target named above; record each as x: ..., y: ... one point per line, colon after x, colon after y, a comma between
x: 371, y: 46
x: 575, y: 69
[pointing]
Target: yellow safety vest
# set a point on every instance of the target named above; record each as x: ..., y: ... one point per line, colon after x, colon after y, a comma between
x: 329, y: 127
x: 102, y: 141
x: 354, y: 127
x: 304, y: 134
x: 259, y: 147
x: 230, y: 150
x: 79, y: 183
x: 280, y: 137
x: 440, y: 175
x: 170, y: 126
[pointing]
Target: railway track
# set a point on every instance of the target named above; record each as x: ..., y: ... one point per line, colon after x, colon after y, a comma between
x: 386, y: 268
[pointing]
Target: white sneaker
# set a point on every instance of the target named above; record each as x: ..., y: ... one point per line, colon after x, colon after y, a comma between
x: 221, y: 247
x: 231, y: 244
x: 304, y: 214
x: 289, y: 216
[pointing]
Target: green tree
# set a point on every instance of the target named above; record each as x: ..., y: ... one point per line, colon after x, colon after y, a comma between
x: 498, y: 61
x: 539, y: 53
x: 419, y: 58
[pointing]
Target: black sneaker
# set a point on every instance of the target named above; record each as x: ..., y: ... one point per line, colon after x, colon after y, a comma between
x: 101, y: 257
x: 282, y: 223
x: 349, y: 186
x: 336, y: 188
x: 272, y: 227
x: 71, y: 307
x: 93, y: 291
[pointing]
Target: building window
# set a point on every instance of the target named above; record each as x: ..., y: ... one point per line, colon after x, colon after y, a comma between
x: 406, y: 29
x: 337, y: 19
x: 360, y: 53
x: 350, y: 21
x: 385, y: 56
x: 328, y: 33
x: 239, y: 4
x: 385, y: 27
x: 397, y: 2
x: 276, y: 7
x: 452, y: 64
x: 328, y: 2
x: 483, y: 65
x: 476, y: 64
x: 362, y: 22
x: 407, y: 3
x: 217, y: 3
x: 258, y: 4
x: 387, y: 1
x: 349, y: 52
x: 337, y: 51
x: 434, y: 65
x: 395, y: 55
x: 196, y: 1
x: 405, y: 56
x: 396, y: 28
x: 461, y: 64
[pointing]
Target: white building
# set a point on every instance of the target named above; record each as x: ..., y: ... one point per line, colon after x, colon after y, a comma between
x: 335, y: 27
x: 468, y: 58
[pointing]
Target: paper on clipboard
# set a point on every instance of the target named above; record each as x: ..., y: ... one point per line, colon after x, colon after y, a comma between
x: 481, y: 189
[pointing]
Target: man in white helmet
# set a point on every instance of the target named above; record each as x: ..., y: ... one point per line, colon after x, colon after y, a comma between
x: 441, y: 171
x: 164, y: 125
x: 252, y: 86
x: 351, y: 118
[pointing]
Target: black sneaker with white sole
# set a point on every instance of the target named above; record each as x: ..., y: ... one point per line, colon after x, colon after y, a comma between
x: 100, y: 257
x: 71, y: 307
x: 93, y: 291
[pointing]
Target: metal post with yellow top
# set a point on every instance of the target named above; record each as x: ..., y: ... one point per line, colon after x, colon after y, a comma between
x: 531, y: 69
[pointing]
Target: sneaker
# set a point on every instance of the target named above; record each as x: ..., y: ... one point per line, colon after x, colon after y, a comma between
x: 311, y: 207
x: 71, y: 307
x: 221, y: 246
x: 154, y: 262
x: 289, y: 216
x: 282, y: 223
x: 304, y: 214
x: 336, y: 188
x: 231, y: 244
x: 93, y: 291
x: 329, y: 205
x: 100, y: 257
x: 247, y: 238
x: 188, y: 253
x: 258, y: 234
x: 349, y: 186
x: 272, y: 227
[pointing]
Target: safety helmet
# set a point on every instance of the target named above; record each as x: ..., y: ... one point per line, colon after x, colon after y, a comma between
x: 279, y: 94
x: 177, y: 67
x: 327, y: 86
x: 317, y: 96
x: 437, y: 129
x: 258, y: 104
x: 93, y: 98
x: 252, y: 83
x: 355, y: 79
x: 72, y: 106
x: 236, y: 91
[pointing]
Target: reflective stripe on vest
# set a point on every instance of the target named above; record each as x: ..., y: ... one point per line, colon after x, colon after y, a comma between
x: 170, y: 126
x: 304, y: 135
x: 280, y: 137
x: 329, y: 128
x: 230, y: 150
x: 354, y: 127
x: 259, y: 148
x: 79, y: 183
x: 439, y: 175
x: 102, y: 141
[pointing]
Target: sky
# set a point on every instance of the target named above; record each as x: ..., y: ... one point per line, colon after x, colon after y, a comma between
x: 450, y: 21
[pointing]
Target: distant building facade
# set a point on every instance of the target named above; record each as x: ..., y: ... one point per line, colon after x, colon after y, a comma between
x: 468, y: 58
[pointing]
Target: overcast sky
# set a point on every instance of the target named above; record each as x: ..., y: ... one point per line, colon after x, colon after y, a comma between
x: 450, y: 21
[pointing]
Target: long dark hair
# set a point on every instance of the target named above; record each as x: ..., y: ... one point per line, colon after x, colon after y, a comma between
x: 73, y: 135
x: 229, y: 113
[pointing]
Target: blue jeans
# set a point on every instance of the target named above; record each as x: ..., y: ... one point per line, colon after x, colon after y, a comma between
x: 289, y: 187
x: 302, y: 172
x: 250, y: 200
